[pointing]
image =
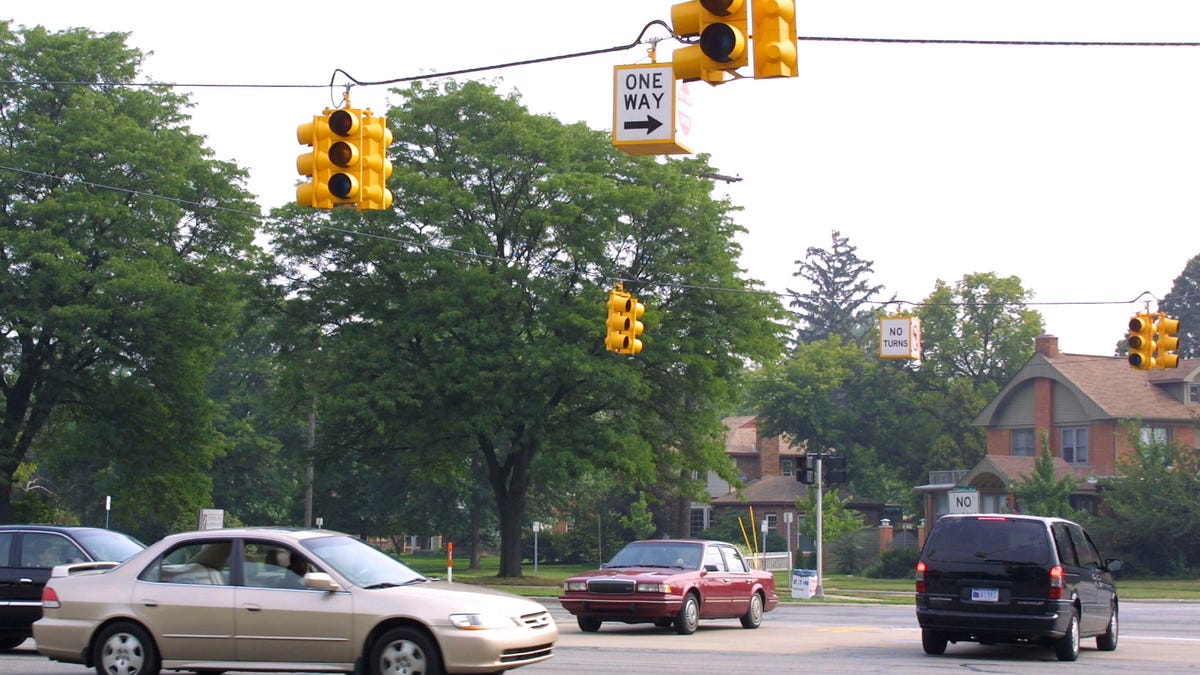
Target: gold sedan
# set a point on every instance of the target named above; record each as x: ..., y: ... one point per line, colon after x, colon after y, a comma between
x: 272, y: 599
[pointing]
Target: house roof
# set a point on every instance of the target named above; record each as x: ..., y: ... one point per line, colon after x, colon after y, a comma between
x: 1007, y: 469
x: 768, y: 489
x: 1105, y: 386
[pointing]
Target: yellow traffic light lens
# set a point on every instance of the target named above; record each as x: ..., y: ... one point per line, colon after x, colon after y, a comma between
x: 343, y: 153
x: 1135, y: 342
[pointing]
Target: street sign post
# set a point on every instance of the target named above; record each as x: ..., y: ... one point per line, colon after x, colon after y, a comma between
x: 647, y: 115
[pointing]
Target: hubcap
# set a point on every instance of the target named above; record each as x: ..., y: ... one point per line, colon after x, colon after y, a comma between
x: 402, y: 658
x: 123, y: 655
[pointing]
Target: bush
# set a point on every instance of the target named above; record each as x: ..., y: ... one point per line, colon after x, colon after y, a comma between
x: 895, y: 563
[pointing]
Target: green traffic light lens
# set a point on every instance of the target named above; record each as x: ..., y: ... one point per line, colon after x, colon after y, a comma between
x: 341, y: 185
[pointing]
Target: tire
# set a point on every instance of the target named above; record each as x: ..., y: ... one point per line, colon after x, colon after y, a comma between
x: 933, y: 642
x: 1107, y: 641
x: 404, y: 650
x: 125, y: 649
x: 688, y: 617
x: 753, y: 616
x: 12, y: 642
x: 1066, y: 648
x: 588, y: 624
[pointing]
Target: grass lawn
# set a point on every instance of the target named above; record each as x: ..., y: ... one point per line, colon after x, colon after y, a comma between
x: 547, y: 582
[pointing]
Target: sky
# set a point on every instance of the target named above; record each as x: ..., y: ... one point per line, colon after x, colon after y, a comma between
x: 1074, y: 168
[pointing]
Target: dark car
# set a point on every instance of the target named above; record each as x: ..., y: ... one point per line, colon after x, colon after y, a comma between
x: 1000, y: 578
x: 671, y: 582
x: 27, y: 554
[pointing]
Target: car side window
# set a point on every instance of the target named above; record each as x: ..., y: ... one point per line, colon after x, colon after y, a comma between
x: 47, y: 549
x: 713, y: 560
x: 1086, y: 552
x: 734, y: 560
x: 1062, y: 541
x: 267, y: 564
x: 6, y: 545
x: 205, y: 564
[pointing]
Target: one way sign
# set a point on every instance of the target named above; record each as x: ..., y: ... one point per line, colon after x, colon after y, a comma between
x: 648, y: 114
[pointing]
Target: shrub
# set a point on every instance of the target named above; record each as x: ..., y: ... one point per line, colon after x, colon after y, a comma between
x: 895, y: 563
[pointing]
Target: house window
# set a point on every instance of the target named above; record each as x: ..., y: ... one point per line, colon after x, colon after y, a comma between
x: 699, y: 523
x: 1155, y: 435
x: 788, y: 466
x: 1022, y: 443
x: 1194, y: 393
x: 772, y: 522
x: 1075, y: 445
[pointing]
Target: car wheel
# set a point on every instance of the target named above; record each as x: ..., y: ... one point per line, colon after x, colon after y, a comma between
x: 125, y: 649
x: 588, y: 624
x: 7, y: 643
x: 404, y: 651
x: 933, y: 642
x: 1107, y: 641
x: 753, y: 616
x: 688, y: 617
x: 1067, y: 647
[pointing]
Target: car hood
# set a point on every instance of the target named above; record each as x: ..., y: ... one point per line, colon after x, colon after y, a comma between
x: 458, y: 597
x: 636, y: 573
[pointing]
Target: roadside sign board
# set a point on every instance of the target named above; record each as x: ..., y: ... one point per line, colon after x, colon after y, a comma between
x: 900, y: 337
x: 964, y: 501
x: 647, y: 114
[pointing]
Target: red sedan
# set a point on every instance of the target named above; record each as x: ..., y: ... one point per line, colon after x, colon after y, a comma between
x: 671, y: 582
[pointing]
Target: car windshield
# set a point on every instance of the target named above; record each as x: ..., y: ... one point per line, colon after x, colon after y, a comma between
x: 361, y: 564
x: 996, y: 540
x: 108, y: 545
x: 658, y: 554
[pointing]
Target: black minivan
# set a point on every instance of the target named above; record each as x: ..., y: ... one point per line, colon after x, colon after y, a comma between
x: 1005, y: 578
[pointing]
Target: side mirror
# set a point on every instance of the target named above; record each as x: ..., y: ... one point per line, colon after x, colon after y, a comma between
x: 710, y: 568
x: 321, y: 581
x: 1113, y: 565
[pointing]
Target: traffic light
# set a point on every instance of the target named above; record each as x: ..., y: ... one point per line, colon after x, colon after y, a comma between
x: 335, y: 163
x: 623, y: 325
x: 835, y: 469
x: 805, y: 476
x: 1167, y: 342
x: 636, y: 310
x: 376, y: 167
x: 1141, y: 341
x: 723, y: 44
x: 774, y: 38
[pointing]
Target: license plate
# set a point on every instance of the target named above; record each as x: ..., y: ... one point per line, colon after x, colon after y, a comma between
x: 985, y: 594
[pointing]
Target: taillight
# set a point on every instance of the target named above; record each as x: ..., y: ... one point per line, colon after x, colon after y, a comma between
x: 1056, y: 583
x: 920, y: 576
x: 49, y: 598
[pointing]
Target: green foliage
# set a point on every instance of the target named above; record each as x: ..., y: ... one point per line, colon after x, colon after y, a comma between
x: 836, y: 302
x: 895, y: 563
x: 1041, y: 494
x: 1153, y: 515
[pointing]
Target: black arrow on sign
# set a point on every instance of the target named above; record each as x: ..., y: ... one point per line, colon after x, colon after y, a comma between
x: 649, y: 125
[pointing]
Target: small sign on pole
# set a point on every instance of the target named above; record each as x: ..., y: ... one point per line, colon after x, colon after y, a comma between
x: 900, y: 337
x: 649, y: 117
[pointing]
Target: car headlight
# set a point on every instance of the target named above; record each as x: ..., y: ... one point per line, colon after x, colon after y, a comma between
x: 654, y: 588
x: 483, y: 621
x: 574, y: 585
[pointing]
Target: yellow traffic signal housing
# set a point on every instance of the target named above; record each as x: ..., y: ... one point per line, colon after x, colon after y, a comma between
x: 1141, y: 342
x: 774, y: 38
x: 619, y: 321
x: 376, y: 167
x: 335, y: 163
x: 636, y: 310
x: 723, y: 46
x: 1167, y: 342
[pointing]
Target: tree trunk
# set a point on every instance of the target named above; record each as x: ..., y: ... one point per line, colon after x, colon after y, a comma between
x: 510, y: 483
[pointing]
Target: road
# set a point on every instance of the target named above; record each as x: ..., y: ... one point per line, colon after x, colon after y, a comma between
x: 1158, y: 637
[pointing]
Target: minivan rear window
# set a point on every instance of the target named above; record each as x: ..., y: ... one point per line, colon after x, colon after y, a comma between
x: 998, y: 540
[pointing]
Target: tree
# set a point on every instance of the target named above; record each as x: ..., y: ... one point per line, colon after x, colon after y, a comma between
x: 834, y: 305
x: 1040, y: 493
x: 1153, y: 519
x: 1183, y: 303
x: 122, y: 247
x: 471, y: 319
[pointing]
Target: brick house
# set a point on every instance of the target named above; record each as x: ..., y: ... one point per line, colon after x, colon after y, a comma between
x: 1080, y: 406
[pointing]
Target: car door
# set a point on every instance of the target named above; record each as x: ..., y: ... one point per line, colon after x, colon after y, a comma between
x: 1095, y: 585
x: 37, y: 553
x: 714, y: 584
x: 739, y: 581
x: 187, y: 601
x: 280, y: 620
x: 8, y: 580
